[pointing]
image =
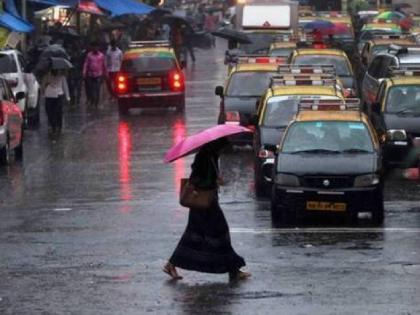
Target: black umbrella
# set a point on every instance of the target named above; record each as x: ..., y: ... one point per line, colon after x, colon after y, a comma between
x: 44, y: 60
x: 233, y: 35
x: 57, y: 63
x: 175, y: 20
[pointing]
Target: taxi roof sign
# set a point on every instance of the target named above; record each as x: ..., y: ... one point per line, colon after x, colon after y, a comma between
x: 412, y: 70
x: 393, y: 36
x: 305, y: 69
x: 303, y: 79
x: 309, y: 104
x: 259, y: 59
x: 153, y: 43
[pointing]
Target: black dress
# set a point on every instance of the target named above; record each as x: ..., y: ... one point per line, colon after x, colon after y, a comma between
x: 205, y: 245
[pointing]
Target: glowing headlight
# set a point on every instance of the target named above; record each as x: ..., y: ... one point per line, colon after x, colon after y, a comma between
x: 287, y: 180
x: 397, y: 135
x: 366, y: 180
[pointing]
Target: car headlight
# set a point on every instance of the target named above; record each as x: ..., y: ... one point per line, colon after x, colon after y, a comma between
x: 397, y: 135
x: 366, y: 180
x: 287, y: 180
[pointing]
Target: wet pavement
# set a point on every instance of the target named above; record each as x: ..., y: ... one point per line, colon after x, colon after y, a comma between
x: 87, y: 223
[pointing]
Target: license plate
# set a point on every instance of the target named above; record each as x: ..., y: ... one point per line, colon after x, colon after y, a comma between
x: 326, y: 206
x: 149, y: 81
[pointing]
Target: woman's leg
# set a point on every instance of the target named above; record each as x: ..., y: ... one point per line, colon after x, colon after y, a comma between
x: 59, y: 114
x: 49, y: 102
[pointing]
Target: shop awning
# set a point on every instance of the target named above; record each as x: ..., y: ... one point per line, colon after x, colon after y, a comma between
x: 121, y: 7
x: 55, y: 2
x: 14, y: 23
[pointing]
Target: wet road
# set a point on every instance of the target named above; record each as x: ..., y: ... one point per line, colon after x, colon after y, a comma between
x: 87, y: 223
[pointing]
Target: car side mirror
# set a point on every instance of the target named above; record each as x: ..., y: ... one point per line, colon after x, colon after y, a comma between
x: 20, y: 96
x: 219, y: 91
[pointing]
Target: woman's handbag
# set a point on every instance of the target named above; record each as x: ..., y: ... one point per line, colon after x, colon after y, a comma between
x: 196, y: 199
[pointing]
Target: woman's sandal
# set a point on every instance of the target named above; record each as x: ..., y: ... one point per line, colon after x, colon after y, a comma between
x: 240, y: 275
x: 170, y: 270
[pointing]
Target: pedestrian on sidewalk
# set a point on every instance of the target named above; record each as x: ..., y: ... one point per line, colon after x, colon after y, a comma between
x: 94, y: 71
x: 206, y: 245
x: 114, y: 58
x: 55, y: 88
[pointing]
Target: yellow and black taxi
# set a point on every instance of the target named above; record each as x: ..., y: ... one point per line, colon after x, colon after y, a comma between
x: 150, y: 76
x: 283, y: 46
x: 329, y: 162
x: 369, y: 30
x: 396, y: 115
x: 277, y: 108
x: 244, y: 86
x: 381, y: 43
x: 335, y: 57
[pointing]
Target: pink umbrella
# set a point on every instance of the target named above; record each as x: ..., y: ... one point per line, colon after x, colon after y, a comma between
x: 193, y: 143
x: 337, y: 29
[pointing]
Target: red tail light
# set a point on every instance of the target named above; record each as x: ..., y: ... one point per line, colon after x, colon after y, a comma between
x: 176, y: 81
x: 1, y: 115
x: 121, y: 83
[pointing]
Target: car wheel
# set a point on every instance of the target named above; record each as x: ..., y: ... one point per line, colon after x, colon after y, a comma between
x: 34, y: 115
x: 180, y: 107
x: 378, y: 211
x: 19, y: 149
x: 5, y: 154
x: 123, y: 109
x: 260, y: 189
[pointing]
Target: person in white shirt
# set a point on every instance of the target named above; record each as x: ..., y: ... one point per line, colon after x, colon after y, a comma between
x: 55, y: 87
x: 114, y: 58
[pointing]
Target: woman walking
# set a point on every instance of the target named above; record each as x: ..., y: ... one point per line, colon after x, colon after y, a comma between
x: 206, y: 245
x: 55, y: 88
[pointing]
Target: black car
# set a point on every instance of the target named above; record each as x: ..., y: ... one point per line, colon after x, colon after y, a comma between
x: 397, y: 117
x: 329, y: 162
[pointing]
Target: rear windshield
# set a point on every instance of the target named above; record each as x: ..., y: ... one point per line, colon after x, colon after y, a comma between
x: 249, y: 83
x: 148, y: 64
x: 260, y: 42
x: 340, y: 63
x: 281, y: 52
x: 7, y: 64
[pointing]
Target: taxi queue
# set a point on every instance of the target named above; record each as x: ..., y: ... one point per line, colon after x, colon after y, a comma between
x: 318, y: 147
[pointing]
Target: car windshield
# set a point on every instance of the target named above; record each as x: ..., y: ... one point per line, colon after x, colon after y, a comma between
x: 260, y: 42
x: 281, y: 109
x: 281, y: 52
x: 146, y: 64
x: 340, y: 63
x: 403, y: 99
x: 248, y: 83
x: 7, y: 64
x: 327, y: 137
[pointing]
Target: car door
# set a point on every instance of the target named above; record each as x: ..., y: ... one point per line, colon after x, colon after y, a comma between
x: 12, y: 114
x: 370, y: 82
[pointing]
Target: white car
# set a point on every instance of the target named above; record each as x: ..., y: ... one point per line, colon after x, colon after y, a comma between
x: 12, y: 67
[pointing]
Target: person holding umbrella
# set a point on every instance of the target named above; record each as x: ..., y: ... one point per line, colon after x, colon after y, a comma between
x: 55, y: 87
x: 206, y: 244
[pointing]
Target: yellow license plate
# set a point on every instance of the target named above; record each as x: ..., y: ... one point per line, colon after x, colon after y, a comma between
x: 149, y: 81
x: 326, y: 206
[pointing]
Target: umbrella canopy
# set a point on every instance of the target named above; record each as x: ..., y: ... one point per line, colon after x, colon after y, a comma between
x: 390, y: 15
x: 191, y: 144
x: 52, y: 51
x: 318, y: 25
x: 60, y: 63
x: 230, y: 34
x: 337, y: 29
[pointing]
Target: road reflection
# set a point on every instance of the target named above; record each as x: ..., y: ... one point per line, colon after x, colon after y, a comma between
x: 124, y: 155
x: 178, y: 133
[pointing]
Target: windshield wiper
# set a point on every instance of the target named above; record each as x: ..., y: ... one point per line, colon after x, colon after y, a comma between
x: 355, y: 150
x: 407, y: 110
x: 321, y: 151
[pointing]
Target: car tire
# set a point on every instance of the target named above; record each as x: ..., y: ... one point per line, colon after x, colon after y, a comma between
x: 5, y: 154
x: 123, y: 109
x: 260, y: 189
x: 180, y: 107
x: 19, y: 149
x: 34, y: 115
x: 378, y: 212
